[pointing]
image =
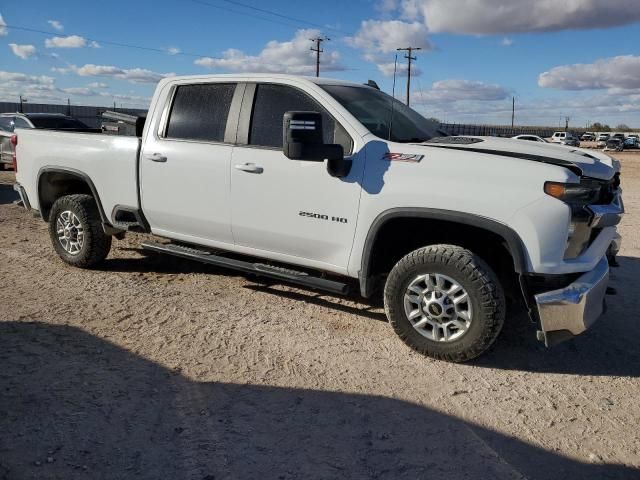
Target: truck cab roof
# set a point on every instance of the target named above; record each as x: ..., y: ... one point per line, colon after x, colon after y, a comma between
x: 263, y: 77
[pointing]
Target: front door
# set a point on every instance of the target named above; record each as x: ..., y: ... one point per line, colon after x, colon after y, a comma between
x: 184, y: 168
x: 290, y: 207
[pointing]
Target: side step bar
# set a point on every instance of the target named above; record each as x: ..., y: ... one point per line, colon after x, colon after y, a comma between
x: 259, y: 269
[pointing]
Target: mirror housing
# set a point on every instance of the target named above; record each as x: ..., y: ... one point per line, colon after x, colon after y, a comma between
x: 303, y: 140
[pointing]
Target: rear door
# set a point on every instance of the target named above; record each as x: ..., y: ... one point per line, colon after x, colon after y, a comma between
x: 184, y: 166
x: 290, y: 207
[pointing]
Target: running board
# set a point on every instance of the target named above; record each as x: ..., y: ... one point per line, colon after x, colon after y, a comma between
x: 259, y: 269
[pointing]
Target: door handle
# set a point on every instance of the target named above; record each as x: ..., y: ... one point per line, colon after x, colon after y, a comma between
x: 250, y: 167
x: 156, y: 157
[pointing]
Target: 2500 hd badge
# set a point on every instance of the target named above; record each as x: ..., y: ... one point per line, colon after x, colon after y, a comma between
x: 320, y: 216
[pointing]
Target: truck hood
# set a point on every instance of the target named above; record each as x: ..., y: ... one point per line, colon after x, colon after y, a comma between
x: 580, y: 161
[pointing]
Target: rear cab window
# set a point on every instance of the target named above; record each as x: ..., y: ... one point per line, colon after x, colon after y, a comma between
x: 199, y: 112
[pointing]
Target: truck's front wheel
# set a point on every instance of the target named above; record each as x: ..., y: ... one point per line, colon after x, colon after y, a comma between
x: 76, y: 231
x: 445, y: 302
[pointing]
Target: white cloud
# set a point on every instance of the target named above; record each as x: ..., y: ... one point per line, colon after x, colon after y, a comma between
x: 15, y: 77
x: 379, y: 38
x: 80, y: 91
x: 448, y: 91
x: 56, y: 24
x: 387, y: 67
x: 3, y: 27
x: 133, y: 75
x: 173, y: 50
x: 507, y: 42
x: 44, y: 89
x: 510, y: 16
x: 293, y: 57
x: 22, y: 51
x: 94, y: 44
x: 614, y: 72
x: 387, y: 36
x: 72, y: 41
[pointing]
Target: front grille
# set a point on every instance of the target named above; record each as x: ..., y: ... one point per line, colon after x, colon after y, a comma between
x: 607, y: 189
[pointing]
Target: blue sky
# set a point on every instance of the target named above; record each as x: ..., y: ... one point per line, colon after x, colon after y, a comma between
x: 578, y: 59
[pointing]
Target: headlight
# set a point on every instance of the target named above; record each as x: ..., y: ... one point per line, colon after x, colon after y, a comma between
x: 572, y: 193
x: 577, y: 196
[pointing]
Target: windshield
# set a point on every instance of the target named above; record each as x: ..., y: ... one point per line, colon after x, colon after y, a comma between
x: 57, y: 122
x: 373, y: 109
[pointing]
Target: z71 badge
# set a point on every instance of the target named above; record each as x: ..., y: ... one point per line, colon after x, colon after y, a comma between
x: 402, y: 157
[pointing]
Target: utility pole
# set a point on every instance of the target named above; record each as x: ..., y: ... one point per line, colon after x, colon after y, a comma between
x: 566, y: 123
x: 21, y: 101
x: 409, y: 58
x: 318, y: 50
x: 513, y: 110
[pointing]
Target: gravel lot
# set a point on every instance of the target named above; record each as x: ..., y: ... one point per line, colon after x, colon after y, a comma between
x: 153, y: 367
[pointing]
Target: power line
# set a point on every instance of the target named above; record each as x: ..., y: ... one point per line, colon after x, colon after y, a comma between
x: 318, y: 50
x: 110, y: 42
x: 269, y: 12
x: 139, y: 47
x: 409, y: 58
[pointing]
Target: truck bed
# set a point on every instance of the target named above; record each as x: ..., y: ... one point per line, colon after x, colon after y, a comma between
x: 109, y: 162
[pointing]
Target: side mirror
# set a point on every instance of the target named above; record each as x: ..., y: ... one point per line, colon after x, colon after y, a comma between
x: 303, y: 140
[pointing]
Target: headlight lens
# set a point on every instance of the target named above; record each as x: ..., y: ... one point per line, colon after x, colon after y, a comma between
x: 572, y: 193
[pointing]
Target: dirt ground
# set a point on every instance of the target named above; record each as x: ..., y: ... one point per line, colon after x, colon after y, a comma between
x: 154, y: 368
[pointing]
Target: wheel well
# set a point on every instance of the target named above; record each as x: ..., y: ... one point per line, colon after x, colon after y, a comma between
x: 55, y: 184
x: 400, y: 235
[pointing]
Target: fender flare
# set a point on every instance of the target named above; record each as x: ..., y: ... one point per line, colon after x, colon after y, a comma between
x: 513, y: 240
x: 80, y: 175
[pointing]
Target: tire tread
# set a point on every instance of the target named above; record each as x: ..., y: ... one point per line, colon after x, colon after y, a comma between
x: 476, y: 270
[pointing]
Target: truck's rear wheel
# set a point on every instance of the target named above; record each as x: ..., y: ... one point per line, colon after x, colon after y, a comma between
x: 445, y: 302
x: 76, y: 231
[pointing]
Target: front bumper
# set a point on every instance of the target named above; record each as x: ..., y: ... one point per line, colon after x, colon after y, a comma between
x: 569, y: 311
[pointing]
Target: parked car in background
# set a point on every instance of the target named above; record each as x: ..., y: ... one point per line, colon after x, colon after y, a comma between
x: 620, y: 136
x: 570, y: 141
x: 557, y: 137
x: 634, y: 135
x: 48, y: 121
x: 602, y: 139
x: 614, y: 144
x: 530, y: 138
x: 588, y: 137
x: 631, y: 142
x: 565, y: 138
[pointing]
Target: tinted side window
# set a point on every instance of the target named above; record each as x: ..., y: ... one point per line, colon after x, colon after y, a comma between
x: 270, y: 104
x: 199, y: 112
x: 5, y: 124
x: 21, y: 123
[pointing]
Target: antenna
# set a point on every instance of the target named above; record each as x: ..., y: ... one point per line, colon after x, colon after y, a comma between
x: 393, y: 94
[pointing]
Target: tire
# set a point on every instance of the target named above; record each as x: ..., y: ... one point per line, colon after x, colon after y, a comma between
x: 94, y: 245
x: 483, y: 304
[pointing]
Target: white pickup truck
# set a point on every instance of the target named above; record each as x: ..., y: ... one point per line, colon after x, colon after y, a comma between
x: 333, y: 185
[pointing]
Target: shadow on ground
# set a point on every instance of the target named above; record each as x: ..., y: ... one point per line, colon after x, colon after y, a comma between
x: 7, y: 194
x: 609, y: 348
x: 75, y: 406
